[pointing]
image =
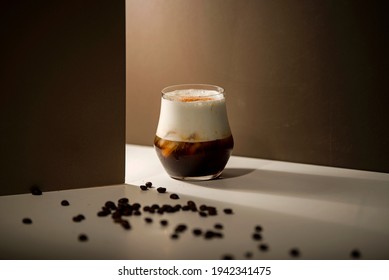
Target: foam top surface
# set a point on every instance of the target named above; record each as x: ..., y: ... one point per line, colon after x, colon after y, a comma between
x: 188, y: 113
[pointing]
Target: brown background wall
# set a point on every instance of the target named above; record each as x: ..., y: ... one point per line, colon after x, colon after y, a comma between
x: 62, y: 86
x: 305, y: 80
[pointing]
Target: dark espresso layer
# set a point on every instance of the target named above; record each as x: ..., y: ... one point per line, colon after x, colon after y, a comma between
x: 193, y: 159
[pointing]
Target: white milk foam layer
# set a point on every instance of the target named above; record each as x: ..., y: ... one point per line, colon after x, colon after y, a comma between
x: 193, y: 116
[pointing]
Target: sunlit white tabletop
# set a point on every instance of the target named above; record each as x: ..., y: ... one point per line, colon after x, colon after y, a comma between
x: 303, y: 211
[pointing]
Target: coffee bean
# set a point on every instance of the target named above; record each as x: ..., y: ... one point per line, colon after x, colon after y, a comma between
x: 203, y: 214
x: 248, y: 255
x: 263, y: 247
x: 78, y: 218
x: 257, y: 236
x: 65, y: 203
x: 83, y: 237
x: 155, y: 206
x: 228, y: 211
x: 294, y: 252
x: 123, y: 200
x: 35, y: 190
x: 146, y: 208
x: 203, y: 207
x: 110, y: 205
x: 197, y: 231
x: 148, y: 220
x: 174, y: 196
x: 27, y: 221
x: 143, y: 188
x: 177, y: 207
x: 149, y: 184
x: 174, y: 236
x: 218, y: 226
x: 355, y: 254
x: 180, y: 228
x: 228, y: 257
x: 164, y: 222
x: 258, y: 228
x: 125, y: 224
x: 161, y: 190
x: 137, y: 213
x: 116, y: 215
x: 104, y: 213
x: 136, y: 206
x: 185, y: 208
x: 209, y: 234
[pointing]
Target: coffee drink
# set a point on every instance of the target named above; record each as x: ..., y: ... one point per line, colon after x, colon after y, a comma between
x: 193, y: 139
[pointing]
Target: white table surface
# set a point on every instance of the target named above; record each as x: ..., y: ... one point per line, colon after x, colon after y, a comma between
x: 324, y: 212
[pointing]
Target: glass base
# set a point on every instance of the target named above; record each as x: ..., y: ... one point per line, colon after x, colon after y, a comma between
x: 199, y: 178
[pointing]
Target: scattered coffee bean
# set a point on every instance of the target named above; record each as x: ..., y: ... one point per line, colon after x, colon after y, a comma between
x: 197, y: 231
x: 211, y: 211
x: 203, y: 207
x: 78, y: 218
x: 116, y: 215
x: 294, y: 252
x: 149, y: 184
x: 110, y: 205
x: 35, y: 190
x: 65, y: 203
x: 164, y: 222
x: 263, y: 247
x: 125, y: 224
x: 155, y: 206
x: 258, y: 228
x: 103, y: 213
x: 123, y: 200
x: 218, y: 226
x: 137, y: 213
x: 355, y: 254
x: 174, y: 196
x: 83, y: 237
x: 146, y: 208
x: 27, y: 221
x: 148, y: 220
x: 228, y: 257
x: 161, y: 190
x: 257, y: 236
x: 174, y: 236
x: 203, y: 214
x: 143, y: 188
x: 185, y: 208
x: 180, y: 228
x: 136, y: 206
x: 228, y: 211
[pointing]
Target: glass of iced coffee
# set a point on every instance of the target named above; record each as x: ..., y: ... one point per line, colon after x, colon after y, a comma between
x: 193, y: 139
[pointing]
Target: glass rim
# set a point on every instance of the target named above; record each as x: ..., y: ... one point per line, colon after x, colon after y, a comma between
x: 171, y: 88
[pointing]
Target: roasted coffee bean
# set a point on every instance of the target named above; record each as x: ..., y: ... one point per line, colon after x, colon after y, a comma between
x: 180, y: 228
x: 203, y: 207
x: 148, y: 220
x: 203, y: 214
x: 258, y: 228
x: 125, y: 224
x: 228, y: 257
x: 192, y: 205
x: 116, y: 215
x: 35, y: 190
x: 263, y: 247
x: 218, y: 234
x: 209, y: 234
x: 212, y: 211
x: 136, y: 206
x: 174, y: 236
x: 83, y: 237
x: 103, y: 213
x: 161, y: 190
x: 185, y: 208
x: 65, y: 203
x: 146, y: 208
x: 197, y: 231
x: 123, y: 200
x: 78, y: 218
x: 149, y: 184
x: 143, y: 188
x: 228, y: 211
x: 161, y: 211
x: 294, y: 252
x: 177, y: 207
x: 174, y: 196
x: 27, y: 221
x: 355, y: 254
x: 164, y: 222
x: 137, y: 213
x: 110, y: 205
x: 218, y: 226
x: 155, y: 206
x: 257, y: 236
